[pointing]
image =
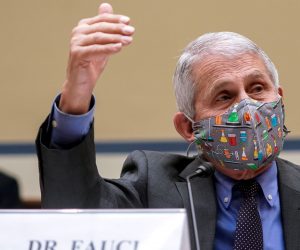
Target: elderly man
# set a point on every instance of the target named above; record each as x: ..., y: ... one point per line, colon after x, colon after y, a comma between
x: 230, y: 106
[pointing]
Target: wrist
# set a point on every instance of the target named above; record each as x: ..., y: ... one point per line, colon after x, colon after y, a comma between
x: 75, y: 101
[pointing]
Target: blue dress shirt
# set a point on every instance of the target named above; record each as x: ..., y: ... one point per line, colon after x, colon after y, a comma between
x: 228, y: 200
x: 69, y: 129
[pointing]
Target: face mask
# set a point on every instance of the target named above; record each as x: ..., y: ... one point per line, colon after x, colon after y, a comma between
x: 248, y: 136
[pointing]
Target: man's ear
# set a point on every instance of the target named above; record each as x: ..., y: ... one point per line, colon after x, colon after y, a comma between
x: 183, y: 126
x: 280, y: 91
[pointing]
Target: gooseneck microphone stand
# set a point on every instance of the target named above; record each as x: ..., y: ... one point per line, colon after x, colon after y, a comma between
x: 206, y: 169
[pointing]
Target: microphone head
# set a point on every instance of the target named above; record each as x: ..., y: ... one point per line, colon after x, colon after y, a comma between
x: 206, y: 168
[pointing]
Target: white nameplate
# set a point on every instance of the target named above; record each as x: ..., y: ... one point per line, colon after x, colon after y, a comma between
x: 130, y: 229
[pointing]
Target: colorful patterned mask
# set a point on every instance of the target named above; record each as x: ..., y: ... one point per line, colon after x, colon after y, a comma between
x: 248, y: 136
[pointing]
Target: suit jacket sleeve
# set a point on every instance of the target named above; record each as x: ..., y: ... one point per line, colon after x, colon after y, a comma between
x: 69, y: 177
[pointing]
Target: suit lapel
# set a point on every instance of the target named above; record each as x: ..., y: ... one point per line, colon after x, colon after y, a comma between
x: 289, y: 190
x: 204, y: 202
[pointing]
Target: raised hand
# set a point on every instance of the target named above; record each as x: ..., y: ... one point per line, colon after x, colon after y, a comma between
x: 93, y: 41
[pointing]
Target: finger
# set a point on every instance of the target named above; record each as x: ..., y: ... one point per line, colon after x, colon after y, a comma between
x: 110, y: 18
x: 103, y: 39
x: 95, y: 51
x: 109, y: 28
x: 105, y: 8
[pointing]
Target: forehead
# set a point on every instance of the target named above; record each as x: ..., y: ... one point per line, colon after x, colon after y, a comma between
x: 220, y: 67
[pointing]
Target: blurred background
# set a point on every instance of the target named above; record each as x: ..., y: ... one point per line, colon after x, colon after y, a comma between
x: 135, y: 100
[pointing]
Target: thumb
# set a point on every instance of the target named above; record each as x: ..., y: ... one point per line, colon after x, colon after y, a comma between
x: 105, y: 8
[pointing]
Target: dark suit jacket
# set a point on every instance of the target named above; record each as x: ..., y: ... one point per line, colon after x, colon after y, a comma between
x: 69, y: 179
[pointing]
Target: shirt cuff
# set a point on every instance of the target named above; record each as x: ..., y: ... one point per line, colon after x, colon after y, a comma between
x: 68, y: 130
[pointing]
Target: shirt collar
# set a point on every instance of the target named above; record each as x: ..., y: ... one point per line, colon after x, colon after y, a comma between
x: 269, y: 184
x: 267, y: 181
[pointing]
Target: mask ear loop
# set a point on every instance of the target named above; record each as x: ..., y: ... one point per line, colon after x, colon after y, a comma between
x: 189, y: 148
x: 199, y: 153
x: 198, y: 150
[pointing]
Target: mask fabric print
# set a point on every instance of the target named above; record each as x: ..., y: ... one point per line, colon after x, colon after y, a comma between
x: 249, y: 135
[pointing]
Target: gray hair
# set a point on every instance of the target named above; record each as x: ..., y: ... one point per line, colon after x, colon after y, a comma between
x: 220, y: 43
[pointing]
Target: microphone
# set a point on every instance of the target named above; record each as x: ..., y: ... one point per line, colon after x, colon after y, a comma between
x: 206, y: 169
